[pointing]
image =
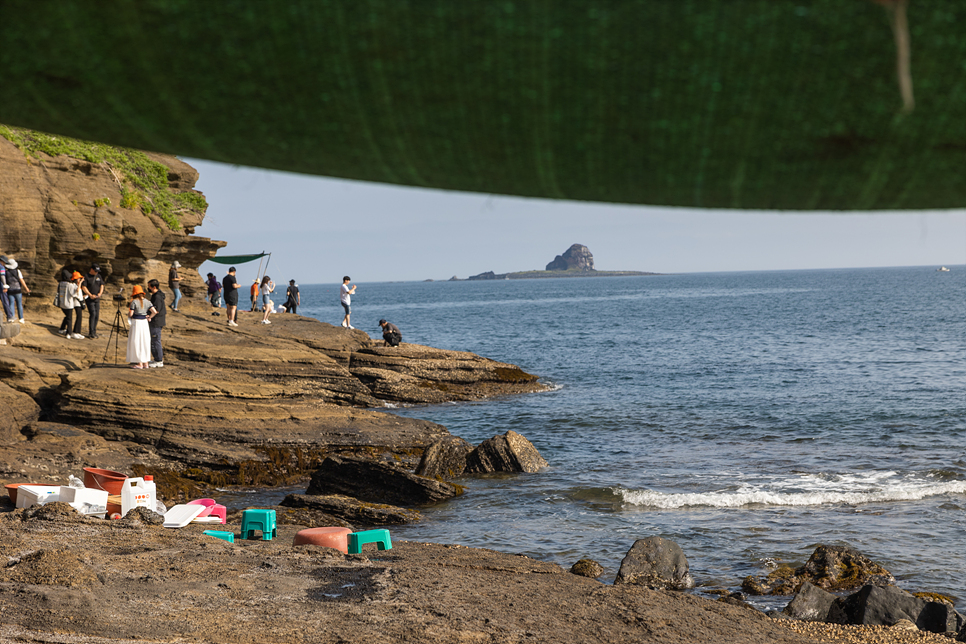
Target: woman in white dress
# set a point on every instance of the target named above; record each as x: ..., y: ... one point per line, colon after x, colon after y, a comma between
x: 139, y: 337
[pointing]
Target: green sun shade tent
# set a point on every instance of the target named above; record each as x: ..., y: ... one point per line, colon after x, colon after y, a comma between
x: 771, y: 104
x: 228, y: 260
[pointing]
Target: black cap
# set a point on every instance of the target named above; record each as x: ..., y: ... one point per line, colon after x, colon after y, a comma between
x: 291, y: 281
x: 96, y: 268
x: 381, y: 322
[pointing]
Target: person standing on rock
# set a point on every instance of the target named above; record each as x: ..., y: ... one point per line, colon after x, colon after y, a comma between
x: 254, y: 293
x: 71, y: 302
x: 214, y: 291
x: 156, y: 323
x: 174, y: 281
x: 390, y: 333
x: 230, y: 286
x: 267, y: 287
x: 139, y: 336
x: 345, y: 296
x: 293, y: 300
x: 16, y: 287
x: 4, y: 298
x: 93, y: 289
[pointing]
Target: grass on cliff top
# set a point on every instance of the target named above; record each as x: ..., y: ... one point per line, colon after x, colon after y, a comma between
x: 143, y: 182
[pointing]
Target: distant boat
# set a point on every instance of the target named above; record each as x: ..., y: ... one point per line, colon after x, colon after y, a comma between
x: 942, y: 269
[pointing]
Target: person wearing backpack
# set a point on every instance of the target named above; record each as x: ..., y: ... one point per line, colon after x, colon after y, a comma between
x: 16, y: 287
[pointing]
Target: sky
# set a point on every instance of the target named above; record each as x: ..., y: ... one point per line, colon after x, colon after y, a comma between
x: 319, y: 229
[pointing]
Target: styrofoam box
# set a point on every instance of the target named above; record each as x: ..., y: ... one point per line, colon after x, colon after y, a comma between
x: 85, y: 500
x: 29, y: 495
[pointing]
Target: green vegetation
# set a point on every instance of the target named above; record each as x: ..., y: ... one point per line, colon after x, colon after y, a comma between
x: 143, y: 183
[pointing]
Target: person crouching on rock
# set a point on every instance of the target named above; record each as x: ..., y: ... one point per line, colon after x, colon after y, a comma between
x: 139, y: 337
x: 390, y: 333
x: 156, y: 323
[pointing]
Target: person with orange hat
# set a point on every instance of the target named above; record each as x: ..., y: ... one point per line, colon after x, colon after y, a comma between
x: 71, y: 301
x: 140, y: 312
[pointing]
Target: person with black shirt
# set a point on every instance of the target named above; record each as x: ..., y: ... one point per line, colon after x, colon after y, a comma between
x: 156, y: 323
x: 93, y: 288
x: 294, y: 300
x: 229, y: 286
x: 390, y: 333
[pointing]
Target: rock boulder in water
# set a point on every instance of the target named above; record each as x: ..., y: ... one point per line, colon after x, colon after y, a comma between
x: 509, y: 452
x: 377, y: 482
x: 831, y: 568
x: 656, y: 563
x: 446, y: 458
x: 842, y: 568
x: 577, y: 257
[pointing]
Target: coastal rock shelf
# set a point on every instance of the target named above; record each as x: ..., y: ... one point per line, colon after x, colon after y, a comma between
x: 226, y: 395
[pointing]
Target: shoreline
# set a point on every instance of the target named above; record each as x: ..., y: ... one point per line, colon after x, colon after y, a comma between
x: 73, y: 579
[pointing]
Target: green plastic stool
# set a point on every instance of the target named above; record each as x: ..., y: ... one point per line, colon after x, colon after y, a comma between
x: 263, y: 520
x: 378, y: 537
x: 219, y: 534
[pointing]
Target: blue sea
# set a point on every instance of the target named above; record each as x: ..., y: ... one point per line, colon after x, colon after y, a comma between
x: 748, y: 417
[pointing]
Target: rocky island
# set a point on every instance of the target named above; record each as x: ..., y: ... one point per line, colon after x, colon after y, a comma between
x: 298, y: 401
x: 576, y: 261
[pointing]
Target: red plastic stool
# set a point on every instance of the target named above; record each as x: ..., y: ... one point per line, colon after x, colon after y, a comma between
x: 337, y: 538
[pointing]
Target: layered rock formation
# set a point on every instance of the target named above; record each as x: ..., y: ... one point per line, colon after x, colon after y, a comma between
x: 575, y: 258
x: 282, y: 396
x: 61, y: 212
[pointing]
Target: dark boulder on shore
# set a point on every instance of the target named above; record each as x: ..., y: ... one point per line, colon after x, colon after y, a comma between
x: 445, y: 458
x: 885, y: 605
x: 811, y: 604
x: 347, y: 509
x: 830, y: 568
x: 377, y: 482
x: 655, y: 563
x: 508, y: 452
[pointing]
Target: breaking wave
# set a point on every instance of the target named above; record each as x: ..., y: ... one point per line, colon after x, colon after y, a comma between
x: 872, y: 489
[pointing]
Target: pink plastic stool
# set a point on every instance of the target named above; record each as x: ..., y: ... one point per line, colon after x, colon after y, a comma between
x: 337, y: 538
x: 218, y: 510
x: 212, y: 508
x: 208, y: 503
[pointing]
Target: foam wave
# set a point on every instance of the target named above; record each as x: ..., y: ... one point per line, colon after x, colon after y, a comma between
x: 749, y: 496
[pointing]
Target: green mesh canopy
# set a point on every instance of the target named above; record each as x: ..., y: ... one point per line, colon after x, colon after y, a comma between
x: 755, y: 104
x: 228, y: 260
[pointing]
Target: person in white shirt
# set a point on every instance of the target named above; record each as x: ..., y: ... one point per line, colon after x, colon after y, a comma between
x: 346, y: 297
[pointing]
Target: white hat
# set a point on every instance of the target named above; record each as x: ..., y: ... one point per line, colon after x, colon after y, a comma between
x: 176, y: 264
x: 12, y: 264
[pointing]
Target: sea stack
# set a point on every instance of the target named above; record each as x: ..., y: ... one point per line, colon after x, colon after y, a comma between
x: 575, y: 258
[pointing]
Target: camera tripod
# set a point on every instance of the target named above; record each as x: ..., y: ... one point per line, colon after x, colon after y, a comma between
x: 115, y: 332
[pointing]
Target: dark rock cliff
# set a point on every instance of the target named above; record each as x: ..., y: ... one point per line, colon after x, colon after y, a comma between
x: 63, y: 212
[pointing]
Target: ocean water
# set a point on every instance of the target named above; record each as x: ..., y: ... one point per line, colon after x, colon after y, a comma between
x: 746, y: 416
